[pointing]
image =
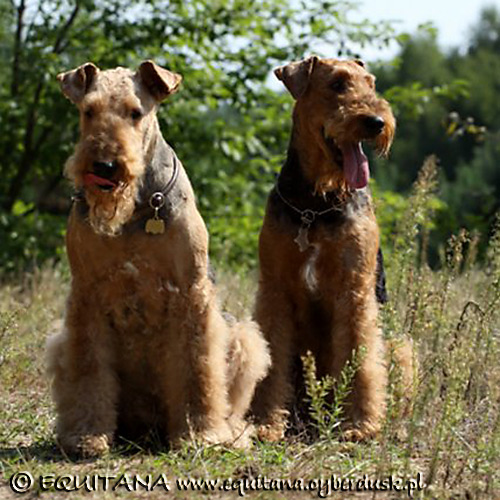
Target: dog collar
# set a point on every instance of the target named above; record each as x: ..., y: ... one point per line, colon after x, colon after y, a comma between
x: 157, y: 200
x: 307, y: 218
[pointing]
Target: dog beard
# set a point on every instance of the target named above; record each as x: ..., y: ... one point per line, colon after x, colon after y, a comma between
x: 108, y: 212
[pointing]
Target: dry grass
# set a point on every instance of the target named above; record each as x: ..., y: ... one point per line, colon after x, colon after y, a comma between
x: 452, y: 438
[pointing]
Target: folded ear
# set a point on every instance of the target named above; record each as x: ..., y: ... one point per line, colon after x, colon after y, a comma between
x: 159, y: 81
x: 296, y: 75
x: 76, y: 83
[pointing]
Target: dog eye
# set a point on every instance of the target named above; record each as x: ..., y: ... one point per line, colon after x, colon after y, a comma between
x: 339, y: 85
x: 136, y: 114
x: 88, y: 113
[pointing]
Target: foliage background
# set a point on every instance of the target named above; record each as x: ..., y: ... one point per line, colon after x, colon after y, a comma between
x: 229, y: 125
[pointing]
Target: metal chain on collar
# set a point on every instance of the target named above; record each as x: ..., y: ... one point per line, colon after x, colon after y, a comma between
x: 307, y: 217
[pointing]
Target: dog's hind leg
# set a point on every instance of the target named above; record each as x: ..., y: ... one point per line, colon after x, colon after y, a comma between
x: 84, y: 384
x: 275, y: 392
x: 249, y: 362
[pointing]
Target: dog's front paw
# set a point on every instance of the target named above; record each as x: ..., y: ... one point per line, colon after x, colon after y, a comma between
x: 93, y: 446
x: 361, y: 432
x: 87, y: 446
x: 271, y: 432
x: 243, y: 432
x: 221, y: 434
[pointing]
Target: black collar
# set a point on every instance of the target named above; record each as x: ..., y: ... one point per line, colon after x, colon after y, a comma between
x: 294, y: 196
x: 308, y: 215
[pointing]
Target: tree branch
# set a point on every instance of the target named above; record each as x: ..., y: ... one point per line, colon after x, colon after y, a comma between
x: 42, y: 138
x: 14, y: 88
x: 65, y: 29
x: 26, y: 159
x: 55, y: 205
x: 30, y: 150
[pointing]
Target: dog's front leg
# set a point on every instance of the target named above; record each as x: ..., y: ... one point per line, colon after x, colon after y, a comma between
x: 85, y: 388
x: 197, y: 372
x: 366, y: 403
x: 347, y: 274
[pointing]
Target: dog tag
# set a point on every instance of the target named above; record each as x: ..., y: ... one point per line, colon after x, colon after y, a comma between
x: 155, y: 226
x: 307, y: 217
x: 302, y: 238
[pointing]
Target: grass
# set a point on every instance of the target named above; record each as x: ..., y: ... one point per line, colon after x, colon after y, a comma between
x: 451, y: 440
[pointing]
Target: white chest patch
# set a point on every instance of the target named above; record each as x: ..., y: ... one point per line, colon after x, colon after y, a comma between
x: 130, y: 268
x: 309, y: 271
x: 171, y: 287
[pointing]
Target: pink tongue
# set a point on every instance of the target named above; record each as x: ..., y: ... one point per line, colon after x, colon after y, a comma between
x: 356, y: 169
x: 90, y: 179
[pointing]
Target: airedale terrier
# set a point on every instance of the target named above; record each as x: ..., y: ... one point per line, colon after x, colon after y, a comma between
x: 319, y: 246
x: 144, y: 345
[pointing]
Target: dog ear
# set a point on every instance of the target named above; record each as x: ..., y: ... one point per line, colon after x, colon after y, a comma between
x: 159, y: 81
x: 76, y: 83
x: 296, y: 75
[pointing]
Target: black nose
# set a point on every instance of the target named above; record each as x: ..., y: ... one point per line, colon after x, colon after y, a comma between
x: 104, y: 169
x: 374, y: 124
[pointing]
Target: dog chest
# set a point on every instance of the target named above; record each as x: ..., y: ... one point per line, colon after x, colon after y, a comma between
x: 137, y: 298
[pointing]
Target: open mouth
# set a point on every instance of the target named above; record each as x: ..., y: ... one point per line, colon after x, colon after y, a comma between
x: 91, y: 179
x: 353, y: 161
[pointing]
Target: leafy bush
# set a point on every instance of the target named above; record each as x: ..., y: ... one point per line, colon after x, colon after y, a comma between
x: 29, y: 238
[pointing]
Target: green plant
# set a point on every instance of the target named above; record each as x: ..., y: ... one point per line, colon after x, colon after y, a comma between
x: 328, y: 396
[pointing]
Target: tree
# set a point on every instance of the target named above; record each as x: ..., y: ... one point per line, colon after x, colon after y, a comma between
x: 227, y: 126
x: 447, y: 105
x: 485, y: 35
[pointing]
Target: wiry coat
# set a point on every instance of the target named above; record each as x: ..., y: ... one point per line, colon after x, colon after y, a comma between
x: 318, y: 278
x: 144, y: 346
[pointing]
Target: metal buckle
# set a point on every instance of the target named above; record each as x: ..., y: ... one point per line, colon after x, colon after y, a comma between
x: 308, y: 217
x: 157, y: 201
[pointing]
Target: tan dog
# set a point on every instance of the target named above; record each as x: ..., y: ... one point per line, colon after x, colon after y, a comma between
x: 144, y: 344
x: 319, y: 245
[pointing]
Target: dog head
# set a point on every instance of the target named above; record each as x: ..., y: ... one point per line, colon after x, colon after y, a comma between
x: 118, y: 126
x: 337, y: 106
